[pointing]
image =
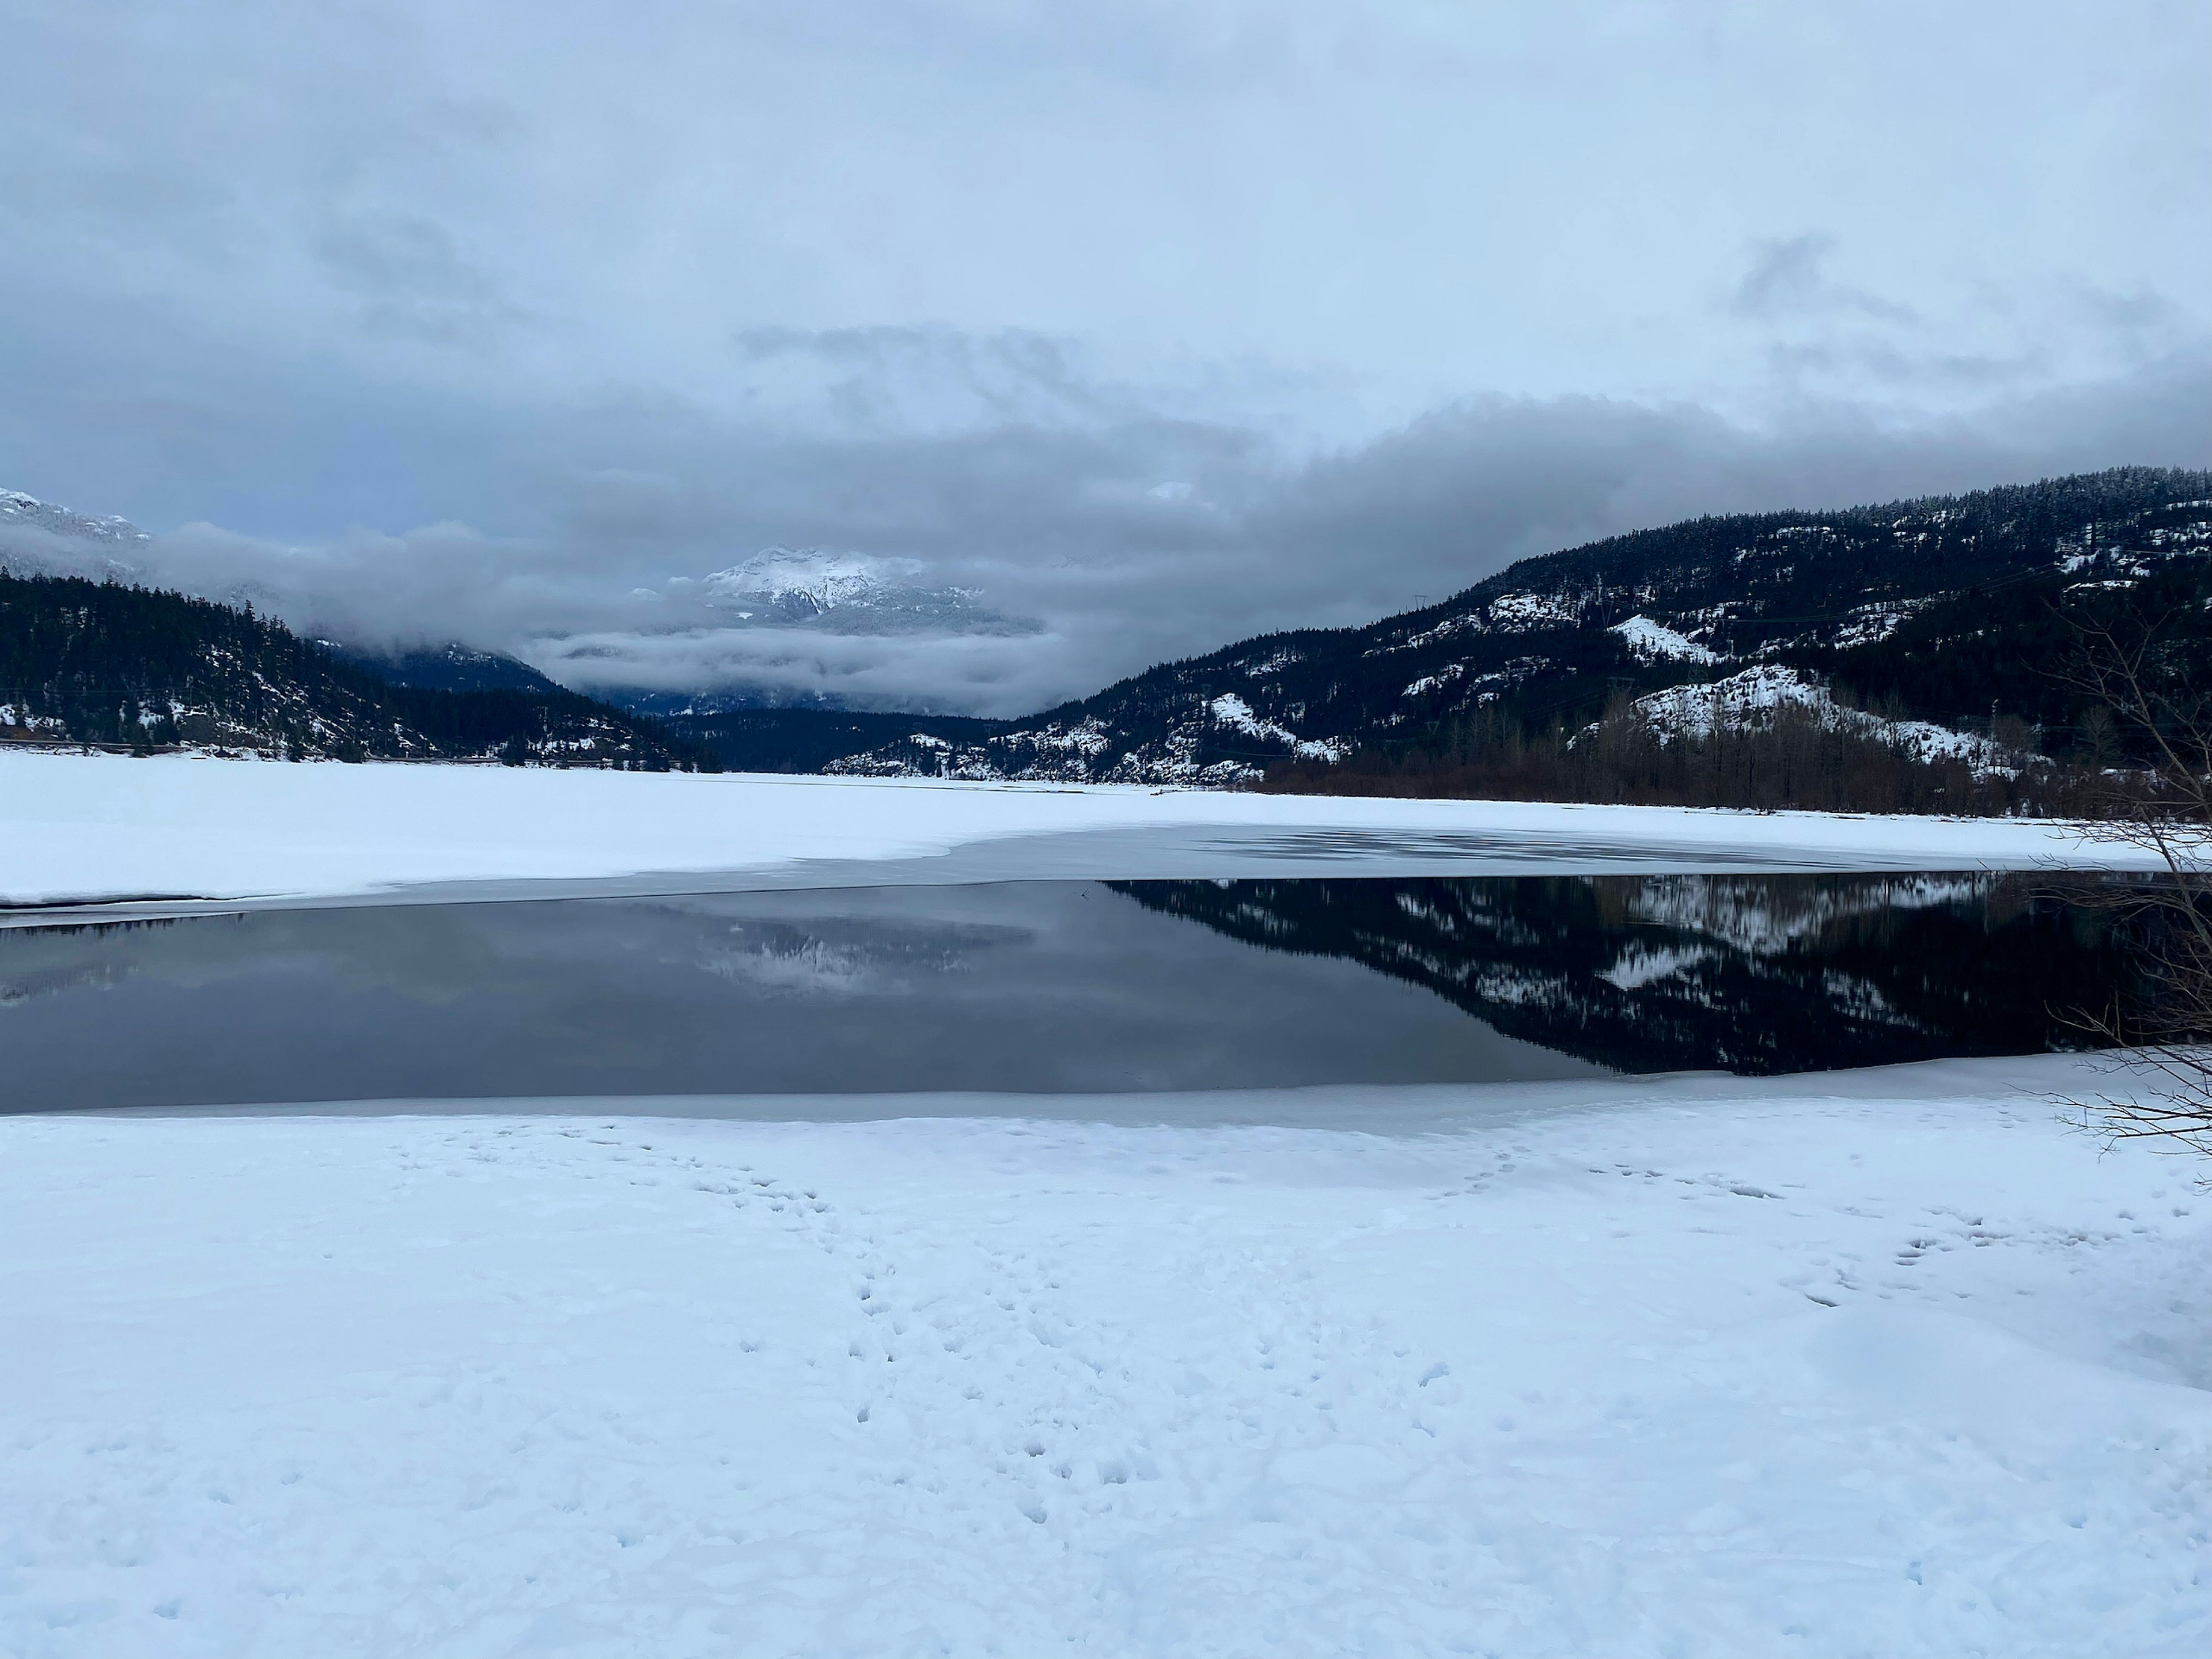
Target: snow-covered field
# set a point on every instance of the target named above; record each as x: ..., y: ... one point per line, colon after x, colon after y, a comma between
x: 1884, y: 1364
x: 104, y: 828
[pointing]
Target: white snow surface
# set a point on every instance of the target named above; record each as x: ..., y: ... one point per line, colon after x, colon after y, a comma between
x: 106, y: 828
x: 1654, y: 641
x: 1232, y: 711
x: 1876, y: 1364
x: 1749, y: 700
x: 1740, y: 700
x: 1515, y: 613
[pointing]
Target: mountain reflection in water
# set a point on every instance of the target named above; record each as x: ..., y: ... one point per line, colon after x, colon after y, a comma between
x: 1747, y: 974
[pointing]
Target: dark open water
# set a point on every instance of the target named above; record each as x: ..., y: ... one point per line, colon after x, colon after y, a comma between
x: 1044, y: 987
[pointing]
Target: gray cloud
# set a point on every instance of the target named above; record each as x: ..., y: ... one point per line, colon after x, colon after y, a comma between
x: 1788, y: 277
x: 1121, y: 544
x: 412, y: 279
x: 1153, y: 325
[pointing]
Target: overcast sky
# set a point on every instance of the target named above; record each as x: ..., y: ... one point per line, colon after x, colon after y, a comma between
x: 1159, y: 323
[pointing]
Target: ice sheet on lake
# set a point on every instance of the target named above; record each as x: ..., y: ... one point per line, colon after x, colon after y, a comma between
x: 169, y: 832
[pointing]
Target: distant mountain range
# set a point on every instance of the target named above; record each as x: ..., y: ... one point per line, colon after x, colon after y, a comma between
x: 1930, y: 618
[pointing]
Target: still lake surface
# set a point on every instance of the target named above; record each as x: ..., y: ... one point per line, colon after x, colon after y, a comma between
x: 1044, y: 986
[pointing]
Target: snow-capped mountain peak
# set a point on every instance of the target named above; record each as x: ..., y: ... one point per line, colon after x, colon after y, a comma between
x: 16, y: 508
x: 780, y: 580
x: 845, y: 592
x: 52, y: 541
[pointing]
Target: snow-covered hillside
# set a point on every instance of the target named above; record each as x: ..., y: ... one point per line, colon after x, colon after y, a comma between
x: 1794, y: 600
x: 1749, y: 700
x: 1654, y: 641
x: 1084, y: 752
x: 1871, y: 1364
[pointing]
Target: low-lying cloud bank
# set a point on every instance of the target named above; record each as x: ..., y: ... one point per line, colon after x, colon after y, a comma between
x: 1003, y: 567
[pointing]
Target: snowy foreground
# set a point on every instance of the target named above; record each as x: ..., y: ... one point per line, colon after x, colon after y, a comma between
x: 1879, y: 1363
x: 105, y: 828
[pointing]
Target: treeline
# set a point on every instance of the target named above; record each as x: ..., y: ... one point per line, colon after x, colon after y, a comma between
x: 119, y: 666
x: 805, y: 740
x: 1794, y: 761
x: 2018, y: 648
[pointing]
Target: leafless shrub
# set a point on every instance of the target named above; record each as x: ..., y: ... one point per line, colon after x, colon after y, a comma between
x: 2132, y: 670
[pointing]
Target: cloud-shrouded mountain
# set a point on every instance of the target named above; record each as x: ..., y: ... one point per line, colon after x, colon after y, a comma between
x: 17, y: 508
x: 119, y: 665
x: 1911, y: 621
x: 1933, y: 609
x: 795, y: 588
x: 724, y: 640
x: 783, y: 603
x: 37, y: 536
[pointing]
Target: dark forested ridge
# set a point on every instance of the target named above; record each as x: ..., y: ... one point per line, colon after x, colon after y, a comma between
x: 809, y: 739
x: 1940, y: 611
x: 105, y: 663
x: 454, y: 668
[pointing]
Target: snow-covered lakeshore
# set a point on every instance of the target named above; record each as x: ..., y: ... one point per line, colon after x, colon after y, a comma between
x: 1882, y: 1364
x: 104, y: 829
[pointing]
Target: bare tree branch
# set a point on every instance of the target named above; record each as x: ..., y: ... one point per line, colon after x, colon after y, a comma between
x: 2165, y: 1038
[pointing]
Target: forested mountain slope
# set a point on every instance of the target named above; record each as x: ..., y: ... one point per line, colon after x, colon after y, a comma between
x: 103, y: 663
x: 1935, y: 609
x: 451, y: 668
